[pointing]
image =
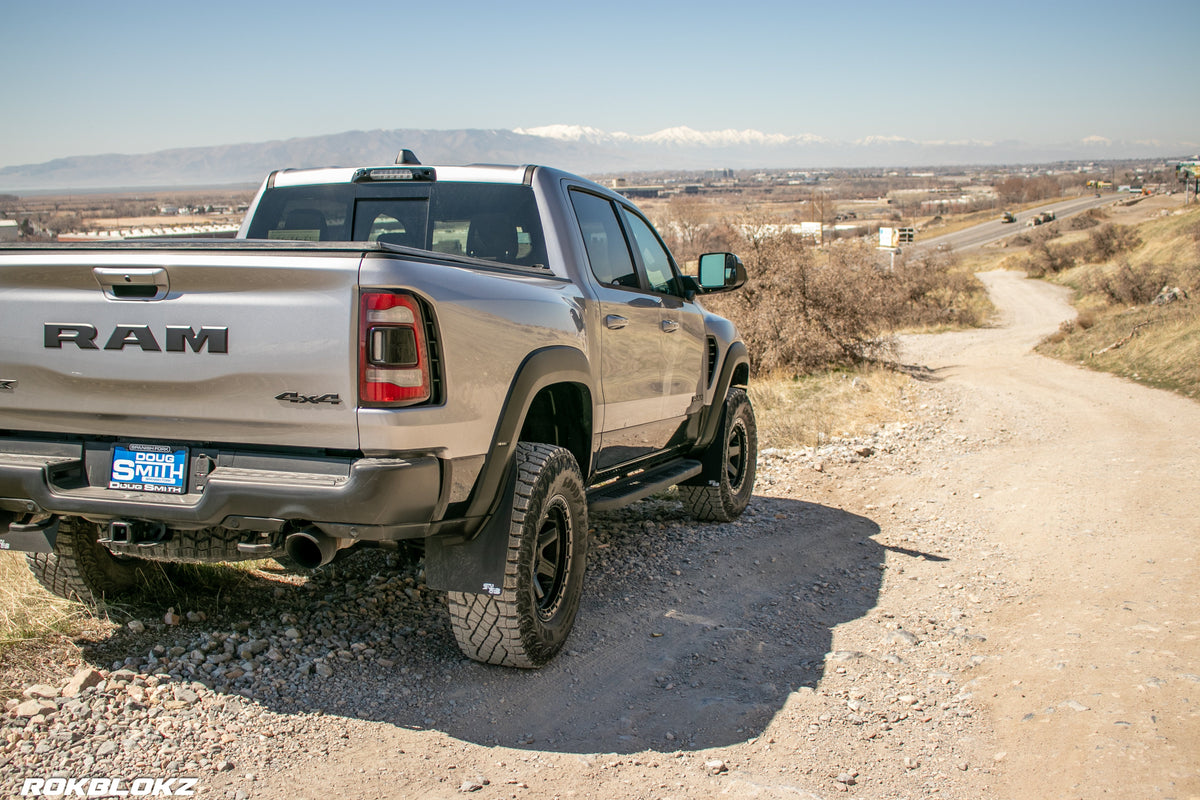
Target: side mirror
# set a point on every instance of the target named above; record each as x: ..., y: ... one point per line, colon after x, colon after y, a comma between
x: 721, y: 272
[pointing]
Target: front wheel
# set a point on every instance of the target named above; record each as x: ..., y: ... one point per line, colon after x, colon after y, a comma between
x: 730, y: 465
x: 528, y: 622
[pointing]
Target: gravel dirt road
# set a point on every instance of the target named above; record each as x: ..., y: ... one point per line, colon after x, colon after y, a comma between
x: 993, y: 599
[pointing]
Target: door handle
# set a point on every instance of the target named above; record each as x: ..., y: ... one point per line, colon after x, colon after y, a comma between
x: 615, y: 322
x: 646, y: 302
x: 669, y: 326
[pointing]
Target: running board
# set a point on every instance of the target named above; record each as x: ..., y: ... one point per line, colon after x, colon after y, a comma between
x: 642, y: 485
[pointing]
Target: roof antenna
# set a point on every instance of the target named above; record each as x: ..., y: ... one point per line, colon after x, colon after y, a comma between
x: 407, y: 157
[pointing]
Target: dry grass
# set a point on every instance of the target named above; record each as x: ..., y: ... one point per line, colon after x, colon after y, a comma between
x: 27, y: 611
x: 810, y: 410
x: 1160, y: 346
x: 1155, y: 345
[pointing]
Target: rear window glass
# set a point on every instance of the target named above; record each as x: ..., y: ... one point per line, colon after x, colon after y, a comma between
x: 305, y: 214
x: 492, y: 222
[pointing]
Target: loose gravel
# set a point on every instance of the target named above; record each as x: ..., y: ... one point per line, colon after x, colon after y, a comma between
x: 227, y: 697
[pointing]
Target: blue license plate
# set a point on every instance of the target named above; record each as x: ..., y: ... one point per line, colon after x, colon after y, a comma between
x: 149, y: 468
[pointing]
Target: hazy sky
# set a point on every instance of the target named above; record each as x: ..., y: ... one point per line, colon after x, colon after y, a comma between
x: 84, y: 78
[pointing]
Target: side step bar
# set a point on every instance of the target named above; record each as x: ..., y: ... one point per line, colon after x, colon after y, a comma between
x: 642, y: 485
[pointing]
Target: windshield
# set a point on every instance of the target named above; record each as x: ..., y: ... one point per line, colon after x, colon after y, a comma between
x: 493, y: 222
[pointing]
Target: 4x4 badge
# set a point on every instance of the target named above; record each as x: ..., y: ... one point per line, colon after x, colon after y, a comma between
x: 315, y: 399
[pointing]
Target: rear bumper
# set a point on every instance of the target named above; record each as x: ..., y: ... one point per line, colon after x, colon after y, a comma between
x: 369, y: 498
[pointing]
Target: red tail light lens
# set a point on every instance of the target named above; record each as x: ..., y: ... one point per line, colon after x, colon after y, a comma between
x: 393, y: 356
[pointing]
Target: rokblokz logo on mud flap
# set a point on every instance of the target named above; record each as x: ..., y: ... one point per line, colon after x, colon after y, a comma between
x: 109, y: 787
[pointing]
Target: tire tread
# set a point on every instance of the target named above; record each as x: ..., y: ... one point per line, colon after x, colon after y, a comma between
x: 79, y: 568
x: 494, y: 629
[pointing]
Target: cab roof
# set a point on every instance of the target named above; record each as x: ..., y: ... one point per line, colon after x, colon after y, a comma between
x: 475, y: 173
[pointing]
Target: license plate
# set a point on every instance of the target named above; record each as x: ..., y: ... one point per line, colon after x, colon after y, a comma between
x: 149, y: 468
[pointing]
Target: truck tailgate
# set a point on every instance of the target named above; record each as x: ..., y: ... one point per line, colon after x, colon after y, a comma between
x: 196, y: 345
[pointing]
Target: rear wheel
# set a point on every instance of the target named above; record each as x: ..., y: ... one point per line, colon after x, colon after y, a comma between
x: 528, y: 622
x: 731, y: 462
x: 80, y: 568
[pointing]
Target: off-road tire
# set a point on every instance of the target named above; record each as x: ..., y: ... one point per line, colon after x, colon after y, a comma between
x: 725, y: 496
x: 205, y: 546
x: 80, y: 568
x: 528, y: 622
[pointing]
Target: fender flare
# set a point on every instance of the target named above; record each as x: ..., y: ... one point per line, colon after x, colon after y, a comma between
x: 541, y: 368
x: 473, y: 558
x: 710, y: 424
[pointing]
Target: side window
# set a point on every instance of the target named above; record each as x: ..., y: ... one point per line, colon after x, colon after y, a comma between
x: 607, y: 251
x: 493, y: 222
x: 654, y: 255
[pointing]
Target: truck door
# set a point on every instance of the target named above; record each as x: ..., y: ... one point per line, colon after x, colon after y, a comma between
x: 630, y: 320
x: 682, y: 339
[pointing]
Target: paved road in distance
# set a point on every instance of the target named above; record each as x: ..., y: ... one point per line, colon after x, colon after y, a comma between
x: 988, y: 232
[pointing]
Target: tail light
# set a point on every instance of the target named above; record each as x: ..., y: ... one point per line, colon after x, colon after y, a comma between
x: 393, y: 355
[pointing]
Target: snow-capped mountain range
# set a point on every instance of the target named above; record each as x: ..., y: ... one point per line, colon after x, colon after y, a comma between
x: 576, y: 148
x: 677, y: 137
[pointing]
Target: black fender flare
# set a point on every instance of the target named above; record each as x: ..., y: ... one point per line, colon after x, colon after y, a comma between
x: 541, y: 368
x: 473, y: 557
x: 710, y: 424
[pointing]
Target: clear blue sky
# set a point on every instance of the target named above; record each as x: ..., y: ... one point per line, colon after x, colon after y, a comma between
x: 83, y: 78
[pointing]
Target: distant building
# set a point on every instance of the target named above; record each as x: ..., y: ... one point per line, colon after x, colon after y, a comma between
x: 9, y: 230
x: 639, y: 191
x: 213, y: 231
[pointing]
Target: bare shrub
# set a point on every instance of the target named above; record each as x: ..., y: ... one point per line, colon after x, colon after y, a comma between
x: 1048, y: 231
x: 1060, y: 335
x: 1126, y: 285
x: 1103, y: 244
x: 929, y: 290
x: 1089, y: 219
x: 1023, y: 190
x: 1081, y: 322
x: 802, y: 311
x: 1046, y: 260
x: 1109, y: 241
x: 688, y: 230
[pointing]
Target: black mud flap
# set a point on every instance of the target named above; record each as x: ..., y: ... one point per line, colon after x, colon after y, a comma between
x: 29, y: 538
x: 475, y: 566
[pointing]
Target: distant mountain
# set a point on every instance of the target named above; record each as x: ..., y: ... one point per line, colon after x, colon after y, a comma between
x: 579, y: 149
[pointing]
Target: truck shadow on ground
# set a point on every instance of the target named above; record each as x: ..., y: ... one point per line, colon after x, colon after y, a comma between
x: 689, y: 636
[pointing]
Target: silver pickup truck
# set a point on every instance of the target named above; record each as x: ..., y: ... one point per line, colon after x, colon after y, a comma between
x: 463, y: 358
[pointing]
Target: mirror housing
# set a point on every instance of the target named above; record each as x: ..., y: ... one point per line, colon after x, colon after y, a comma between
x: 721, y: 272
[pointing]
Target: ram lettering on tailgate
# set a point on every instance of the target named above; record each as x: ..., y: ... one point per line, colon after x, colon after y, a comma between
x: 178, y: 337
